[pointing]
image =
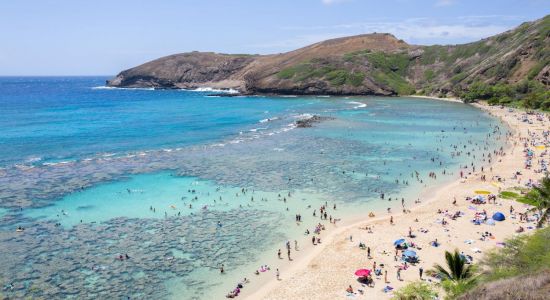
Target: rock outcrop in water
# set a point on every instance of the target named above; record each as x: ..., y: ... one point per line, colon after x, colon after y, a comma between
x: 371, y: 64
x: 309, y: 122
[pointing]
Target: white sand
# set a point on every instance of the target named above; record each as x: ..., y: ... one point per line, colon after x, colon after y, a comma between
x: 437, y: 98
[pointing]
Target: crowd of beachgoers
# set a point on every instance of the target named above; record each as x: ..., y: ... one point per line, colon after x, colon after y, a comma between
x: 373, y: 258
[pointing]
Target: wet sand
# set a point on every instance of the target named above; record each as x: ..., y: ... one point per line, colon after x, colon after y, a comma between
x: 324, y: 271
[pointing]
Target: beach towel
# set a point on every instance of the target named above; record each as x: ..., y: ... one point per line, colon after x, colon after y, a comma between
x: 387, y: 289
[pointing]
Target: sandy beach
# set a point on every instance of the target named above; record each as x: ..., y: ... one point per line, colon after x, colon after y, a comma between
x: 325, y: 270
x: 435, y: 98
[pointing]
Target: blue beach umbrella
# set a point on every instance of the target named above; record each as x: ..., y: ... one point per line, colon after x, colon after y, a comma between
x: 399, y: 242
x: 409, y: 253
x: 498, y: 216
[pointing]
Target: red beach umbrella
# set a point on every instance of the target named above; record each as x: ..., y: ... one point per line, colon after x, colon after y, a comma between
x: 363, y: 272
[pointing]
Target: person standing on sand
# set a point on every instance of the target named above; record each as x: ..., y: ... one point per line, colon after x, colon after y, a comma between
x: 386, y: 276
x: 279, y: 253
x: 391, y: 220
x: 399, y: 274
x: 420, y: 272
x: 277, y: 274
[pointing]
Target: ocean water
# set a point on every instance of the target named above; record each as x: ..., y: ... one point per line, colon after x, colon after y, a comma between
x: 183, y: 182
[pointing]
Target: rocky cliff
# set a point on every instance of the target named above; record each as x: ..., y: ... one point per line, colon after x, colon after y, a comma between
x: 371, y: 64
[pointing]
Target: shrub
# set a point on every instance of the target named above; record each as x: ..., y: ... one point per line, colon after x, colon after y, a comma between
x: 429, y: 75
x: 508, y: 195
x: 522, y: 255
x: 337, y: 77
x: 286, y: 73
x: 418, y: 290
x: 356, y: 79
x: 457, y: 288
x: 458, y: 77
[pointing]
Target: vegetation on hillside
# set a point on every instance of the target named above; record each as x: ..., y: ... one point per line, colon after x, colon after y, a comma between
x: 503, y: 70
x: 528, y: 94
x: 417, y: 290
x: 526, y: 254
x: 387, y: 69
x: 457, y: 277
x: 319, y: 70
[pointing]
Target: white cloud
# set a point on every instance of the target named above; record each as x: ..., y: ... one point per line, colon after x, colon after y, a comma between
x: 419, y: 31
x: 415, y: 30
x: 444, y: 2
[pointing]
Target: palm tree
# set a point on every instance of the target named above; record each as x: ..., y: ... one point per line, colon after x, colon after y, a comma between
x: 458, y: 270
x: 542, y: 200
x: 459, y: 277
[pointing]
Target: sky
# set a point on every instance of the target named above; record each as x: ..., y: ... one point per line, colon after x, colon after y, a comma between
x: 100, y: 37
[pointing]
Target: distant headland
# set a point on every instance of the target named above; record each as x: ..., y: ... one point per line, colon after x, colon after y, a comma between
x: 369, y: 64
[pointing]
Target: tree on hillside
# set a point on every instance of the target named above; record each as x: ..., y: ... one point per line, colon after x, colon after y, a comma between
x: 540, y: 198
x: 458, y: 270
x: 458, y: 277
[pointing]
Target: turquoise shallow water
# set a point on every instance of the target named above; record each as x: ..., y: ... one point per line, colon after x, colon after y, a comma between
x: 92, y: 173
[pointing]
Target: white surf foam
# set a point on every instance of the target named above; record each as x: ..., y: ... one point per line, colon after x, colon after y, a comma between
x: 209, y: 89
x: 269, y: 119
x: 358, y: 104
x: 103, y: 87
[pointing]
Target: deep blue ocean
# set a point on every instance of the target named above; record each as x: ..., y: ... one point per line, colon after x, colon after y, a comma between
x: 183, y: 181
x: 57, y: 118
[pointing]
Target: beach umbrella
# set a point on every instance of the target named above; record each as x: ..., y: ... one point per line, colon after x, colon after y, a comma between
x: 482, y: 192
x: 540, y: 147
x: 498, y: 216
x: 409, y: 253
x: 479, y: 198
x: 363, y: 272
x: 490, y: 222
x: 399, y: 242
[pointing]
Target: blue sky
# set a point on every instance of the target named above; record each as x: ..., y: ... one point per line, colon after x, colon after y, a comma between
x: 99, y: 37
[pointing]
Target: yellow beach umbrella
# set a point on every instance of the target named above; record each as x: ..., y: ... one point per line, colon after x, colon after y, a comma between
x: 481, y: 192
x: 540, y: 147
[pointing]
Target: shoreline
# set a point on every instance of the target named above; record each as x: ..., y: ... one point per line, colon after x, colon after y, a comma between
x: 301, y: 269
x: 456, y: 100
